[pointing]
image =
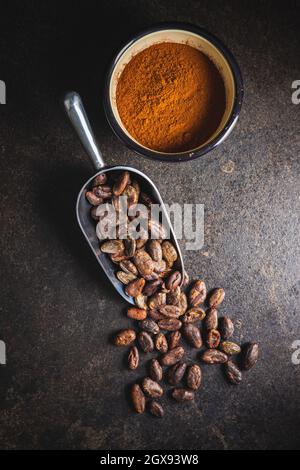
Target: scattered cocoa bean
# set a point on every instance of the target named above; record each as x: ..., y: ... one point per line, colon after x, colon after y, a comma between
x: 171, y: 357
x: 216, y: 297
x: 174, y: 339
x: 193, y: 335
x: 194, y: 377
x: 156, y: 409
x: 193, y: 315
x: 135, y: 288
x: 145, y: 341
x: 250, y: 355
x: 176, y: 373
x: 136, y: 313
x: 170, y: 324
x: 138, y: 398
x: 156, y: 372
x: 233, y: 373
x: 150, y: 326
x: 226, y: 328
x: 152, y: 388
x: 125, y: 337
x: 161, y: 343
x: 213, y: 339
x: 170, y: 311
x: 213, y: 356
x: 181, y: 394
x: 197, y: 294
x: 230, y: 348
x: 173, y: 281
x: 133, y: 358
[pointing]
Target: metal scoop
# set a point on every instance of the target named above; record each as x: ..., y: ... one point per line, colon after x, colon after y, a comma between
x: 79, y: 119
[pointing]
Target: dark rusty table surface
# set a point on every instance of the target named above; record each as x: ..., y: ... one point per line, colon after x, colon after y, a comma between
x: 64, y: 385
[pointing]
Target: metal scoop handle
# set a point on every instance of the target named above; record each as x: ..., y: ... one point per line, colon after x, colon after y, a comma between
x: 77, y: 115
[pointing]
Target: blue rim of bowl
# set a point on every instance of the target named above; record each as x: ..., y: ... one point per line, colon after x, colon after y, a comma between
x: 192, y: 154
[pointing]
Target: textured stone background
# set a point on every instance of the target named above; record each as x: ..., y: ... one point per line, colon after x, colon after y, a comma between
x: 64, y: 385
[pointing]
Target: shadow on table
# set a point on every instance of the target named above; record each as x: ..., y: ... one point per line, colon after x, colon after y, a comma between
x: 57, y: 194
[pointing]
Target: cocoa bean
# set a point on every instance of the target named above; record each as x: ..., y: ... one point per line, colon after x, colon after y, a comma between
x: 156, y: 372
x: 230, y: 348
x: 213, y: 356
x: 171, y: 357
x: 138, y: 398
x: 121, y: 183
x: 226, y: 328
x: 176, y: 373
x: 193, y: 315
x: 136, y: 313
x: 173, y: 281
x: 213, y: 339
x: 156, y: 409
x: 161, y: 343
x: 134, y: 288
x: 211, y: 319
x: 170, y: 311
x: 133, y: 358
x: 125, y: 337
x: 169, y: 253
x: 194, y: 377
x: 233, y: 373
x: 192, y: 335
x: 170, y: 324
x: 216, y: 297
x: 150, y: 326
x: 174, y: 339
x: 143, y: 262
x: 152, y: 388
x: 155, y: 251
x: 250, y: 355
x: 181, y: 394
x: 197, y: 294
x: 145, y: 341
x: 125, y: 278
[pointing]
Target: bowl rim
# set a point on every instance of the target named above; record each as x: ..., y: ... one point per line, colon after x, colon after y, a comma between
x: 191, y: 154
